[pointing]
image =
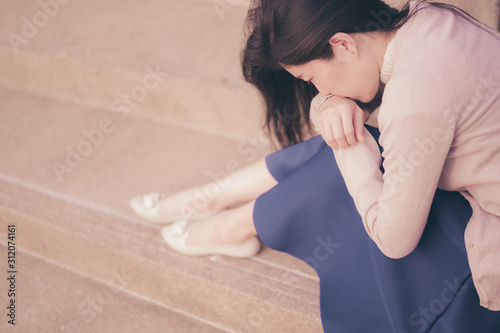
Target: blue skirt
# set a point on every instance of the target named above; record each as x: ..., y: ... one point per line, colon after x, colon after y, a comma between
x: 310, y: 215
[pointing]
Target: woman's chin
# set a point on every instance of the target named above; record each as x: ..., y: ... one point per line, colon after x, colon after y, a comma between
x: 364, y: 100
x: 367, y: 98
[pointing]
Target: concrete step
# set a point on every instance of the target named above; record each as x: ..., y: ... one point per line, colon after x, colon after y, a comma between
x: 51, y: 298
x: 80, y: 218
x: 170, y: 60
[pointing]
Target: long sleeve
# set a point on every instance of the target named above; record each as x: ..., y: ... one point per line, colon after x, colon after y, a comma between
x: 440, y: 127
x: 417, y: 132
x: 395, y: 205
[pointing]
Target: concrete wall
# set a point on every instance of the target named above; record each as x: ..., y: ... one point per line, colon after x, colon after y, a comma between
x: 486, y: 11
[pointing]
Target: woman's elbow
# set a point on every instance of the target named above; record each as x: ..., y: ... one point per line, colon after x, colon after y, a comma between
x: 397, y: 252
x: 396, y: 244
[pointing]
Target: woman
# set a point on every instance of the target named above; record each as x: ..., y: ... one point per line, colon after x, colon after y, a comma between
x: 438, y: 73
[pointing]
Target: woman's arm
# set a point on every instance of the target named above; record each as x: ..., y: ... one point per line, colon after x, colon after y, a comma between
x: 395, y: 205
x: 416, y: 134
x: 340, y: 121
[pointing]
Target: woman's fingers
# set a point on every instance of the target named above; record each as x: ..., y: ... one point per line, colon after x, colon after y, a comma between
x: 332, y: 130
x: 327, y: 133
x: 348, y: 128
x: 334, y: 144
x: 341, y: 123
x: 359, y: 124
x: 338, y: 133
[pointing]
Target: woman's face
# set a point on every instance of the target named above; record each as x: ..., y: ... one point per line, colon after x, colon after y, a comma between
x: 353, y: 72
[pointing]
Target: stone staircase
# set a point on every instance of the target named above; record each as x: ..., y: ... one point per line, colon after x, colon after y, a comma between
x: 106, y: 100
x: 101, y: 101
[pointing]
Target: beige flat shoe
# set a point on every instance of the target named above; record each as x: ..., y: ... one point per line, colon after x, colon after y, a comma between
x: 176, y: 234
x: 148, y: 206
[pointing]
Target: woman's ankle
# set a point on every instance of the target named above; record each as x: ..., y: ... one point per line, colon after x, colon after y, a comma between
x: 187, y: 203
x: 235, y: 226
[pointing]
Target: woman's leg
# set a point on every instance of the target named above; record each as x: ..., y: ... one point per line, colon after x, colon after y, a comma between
x: 243, y: 186
x: 231, y: 226
x: 236, y: 225
x: 311, y: 216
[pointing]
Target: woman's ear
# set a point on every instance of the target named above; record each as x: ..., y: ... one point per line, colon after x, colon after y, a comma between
x: 344, y: 43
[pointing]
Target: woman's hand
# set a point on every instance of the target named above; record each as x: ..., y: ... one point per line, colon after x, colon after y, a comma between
x: 340, y: 122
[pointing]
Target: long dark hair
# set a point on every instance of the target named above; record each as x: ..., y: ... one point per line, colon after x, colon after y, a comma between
x: 294, y: 32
